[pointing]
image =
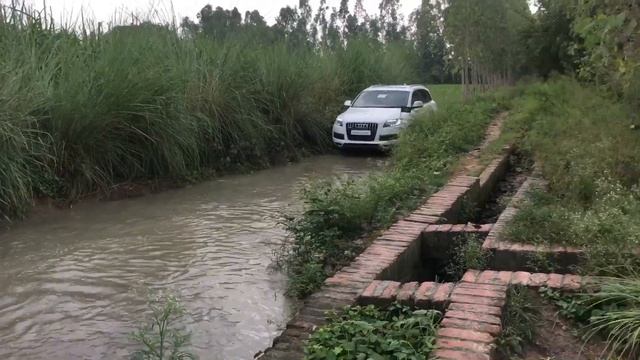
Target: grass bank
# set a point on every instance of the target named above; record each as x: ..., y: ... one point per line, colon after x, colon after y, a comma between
x: 340, y: 214
x: 586, y: 144
x: 85, y: 108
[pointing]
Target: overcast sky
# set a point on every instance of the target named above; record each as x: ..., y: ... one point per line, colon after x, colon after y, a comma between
x: 103, y: 10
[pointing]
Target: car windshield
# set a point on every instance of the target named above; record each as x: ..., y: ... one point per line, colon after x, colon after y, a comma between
x: 382, y: 99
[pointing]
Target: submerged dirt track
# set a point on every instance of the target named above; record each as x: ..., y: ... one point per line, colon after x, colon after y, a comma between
x: 74, y: 283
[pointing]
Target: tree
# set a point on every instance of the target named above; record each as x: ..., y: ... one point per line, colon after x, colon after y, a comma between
x: 344, y: 17
x: 189, y: 28
x: 334, y: 40
x: 286, y: 22
x: 485, y: 38
x: 375, y: 28
x: 610, y: 35
x: 304, y: 20
x: 254, y: 18
x: 219, y: 23
x: 320, y: 25
x: 390, y: 22
x: 549, y: 40
x: 430, y: 44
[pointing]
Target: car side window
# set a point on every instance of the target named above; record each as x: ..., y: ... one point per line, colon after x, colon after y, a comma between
x: 421, y: 95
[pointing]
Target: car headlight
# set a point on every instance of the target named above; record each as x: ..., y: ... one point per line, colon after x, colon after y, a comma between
x: 338, y: 122
x: 392, y: 123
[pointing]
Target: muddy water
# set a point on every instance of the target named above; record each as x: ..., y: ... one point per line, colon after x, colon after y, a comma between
x: 74, y: 283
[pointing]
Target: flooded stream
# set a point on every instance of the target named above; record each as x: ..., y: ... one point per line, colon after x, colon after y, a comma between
x: 74, y: 283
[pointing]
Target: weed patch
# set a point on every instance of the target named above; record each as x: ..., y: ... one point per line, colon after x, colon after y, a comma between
x: 519, y: 322
x: 367, y: 332
x: 467, y: 255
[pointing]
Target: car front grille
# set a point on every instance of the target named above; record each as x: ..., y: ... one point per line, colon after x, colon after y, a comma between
x: 372, y: 127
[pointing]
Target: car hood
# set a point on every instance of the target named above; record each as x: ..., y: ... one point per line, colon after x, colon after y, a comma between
x: 377, y: 115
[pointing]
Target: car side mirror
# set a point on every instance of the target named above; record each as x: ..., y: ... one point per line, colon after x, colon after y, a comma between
x: 347, y: 103
x: 418, y: 104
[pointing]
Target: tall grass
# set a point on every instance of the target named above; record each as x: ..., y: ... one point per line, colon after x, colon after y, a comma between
x: 82, y: 110
x: 587, y: 147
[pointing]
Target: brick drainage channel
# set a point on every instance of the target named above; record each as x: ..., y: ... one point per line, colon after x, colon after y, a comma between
x: 474, y: 305
x: 399, y: 266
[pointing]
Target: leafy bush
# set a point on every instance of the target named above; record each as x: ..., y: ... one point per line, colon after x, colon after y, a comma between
x: 369, y: 333
x: 339, y: 213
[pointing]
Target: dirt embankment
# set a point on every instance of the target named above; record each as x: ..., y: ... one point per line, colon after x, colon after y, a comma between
x: 559, y: 339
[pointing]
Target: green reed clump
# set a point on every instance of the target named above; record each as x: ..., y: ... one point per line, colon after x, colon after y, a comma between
x: 615, y: 314
x: 85, y: 107
x: 339, y: 212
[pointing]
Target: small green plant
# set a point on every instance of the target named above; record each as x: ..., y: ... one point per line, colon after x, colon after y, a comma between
x: 161, y: 338
x: 518, y: 325
x: 467, y: 255
x: 570, y: 306
x: 369, y: 333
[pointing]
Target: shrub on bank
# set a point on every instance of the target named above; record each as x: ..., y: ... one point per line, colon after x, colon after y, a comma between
x: 340, y: 214
x: 82, y: 111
